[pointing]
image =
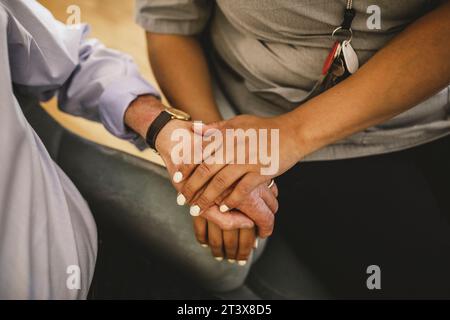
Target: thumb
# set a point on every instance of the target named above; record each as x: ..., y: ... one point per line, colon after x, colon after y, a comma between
x: 207, y: 129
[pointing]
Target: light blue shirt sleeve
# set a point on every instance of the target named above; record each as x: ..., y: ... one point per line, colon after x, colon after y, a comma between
x: 91, y: 81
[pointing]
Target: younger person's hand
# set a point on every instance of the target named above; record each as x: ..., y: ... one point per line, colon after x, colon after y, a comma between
x: 258, y: 208
x: 209, y: 180
x: 233, y: 245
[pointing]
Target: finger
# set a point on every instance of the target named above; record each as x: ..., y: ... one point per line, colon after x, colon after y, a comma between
x: 193, y: 210
x: 184, y: 164
x: 231, y: 241
x: 215, y: 241
x: 221, y: 181
x: 231, y: 220
x: 247, y: 239
x: 269, y: 198
x: 176, y: 178
x: 181, y: 173
x: 213, y: 162
x: 242, y: 190
x: 256, y: 210
x: 274, y: 189
x: 187, y: 155
x: 208, y: 129
x: 200, y: 230
x: 258, y: 213
x: 171, y: 168
x: 226, y: 193
x: 262, y: 216
x: 212, y: 143
x: 198, y: 179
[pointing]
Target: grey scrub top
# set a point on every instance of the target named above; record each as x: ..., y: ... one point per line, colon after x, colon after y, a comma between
x: 269, y: 54
x: 46, y: 228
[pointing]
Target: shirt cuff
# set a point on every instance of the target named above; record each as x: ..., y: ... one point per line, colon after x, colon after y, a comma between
x: 114, y: 102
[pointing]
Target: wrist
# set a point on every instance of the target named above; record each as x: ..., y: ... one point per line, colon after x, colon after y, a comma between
x: 295, y: 136
x: 142, y: 112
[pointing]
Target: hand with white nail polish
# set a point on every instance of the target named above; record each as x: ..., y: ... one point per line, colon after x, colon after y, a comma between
x: 224, y: 230
x: 177, y: 177
x: 233, y: 245
x: 194, y: 210
x: 181, y: 200
x: 234, y: 236
x: 244, y: 169
x: 224, y: 208
x: 165, y: 144
x: 260, y: 205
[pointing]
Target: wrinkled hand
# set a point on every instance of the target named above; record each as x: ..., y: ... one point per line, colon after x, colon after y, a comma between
x: 232, y: 243
x: 260, y: 207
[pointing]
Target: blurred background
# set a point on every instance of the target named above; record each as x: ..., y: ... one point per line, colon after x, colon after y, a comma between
x: 112, y: 22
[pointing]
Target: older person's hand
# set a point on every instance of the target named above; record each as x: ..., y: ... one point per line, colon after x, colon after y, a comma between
x: 216, y: 230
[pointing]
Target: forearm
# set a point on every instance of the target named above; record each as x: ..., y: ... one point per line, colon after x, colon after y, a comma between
x: 181, y: 70
x: 414, y: 66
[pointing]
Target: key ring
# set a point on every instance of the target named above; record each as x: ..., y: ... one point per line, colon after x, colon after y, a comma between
x: 340, y: 29
x: 346, y: 25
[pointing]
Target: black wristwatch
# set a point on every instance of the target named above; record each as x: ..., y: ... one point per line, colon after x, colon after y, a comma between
x: 160, y: 121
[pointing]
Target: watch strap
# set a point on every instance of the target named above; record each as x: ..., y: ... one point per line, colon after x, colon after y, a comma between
x: 152, y: 133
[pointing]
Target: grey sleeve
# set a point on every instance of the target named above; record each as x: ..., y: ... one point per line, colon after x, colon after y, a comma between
x: 182, y: 17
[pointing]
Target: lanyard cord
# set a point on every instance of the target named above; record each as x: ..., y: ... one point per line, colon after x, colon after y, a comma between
x: 349, y: 4
x: 346, y: 26
x: 349, y: 14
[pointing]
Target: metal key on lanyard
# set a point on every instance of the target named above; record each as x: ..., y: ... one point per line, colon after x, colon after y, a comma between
x: 342, y: 59
x: 350, y: 57
x: 333, y: 69
x: 325, y: 76
x: 348, y: 53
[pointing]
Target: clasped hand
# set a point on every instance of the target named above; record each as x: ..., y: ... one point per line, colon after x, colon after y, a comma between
x: 230, y: 200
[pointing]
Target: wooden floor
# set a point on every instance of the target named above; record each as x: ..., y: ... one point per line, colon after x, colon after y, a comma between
x: 112, y: 22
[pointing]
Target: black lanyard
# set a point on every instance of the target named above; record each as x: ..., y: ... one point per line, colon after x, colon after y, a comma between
x: 346, y: 26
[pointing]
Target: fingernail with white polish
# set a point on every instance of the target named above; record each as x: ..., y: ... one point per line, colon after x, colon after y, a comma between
x: 181, y: 200
x: 218, y: 258
x: 194, y: 210
x: 256, y: 243
x: 204, y: 245
x: 177, y: 177
x: 231, y: 260
x: 242, y: 262
x: 224, y: 208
